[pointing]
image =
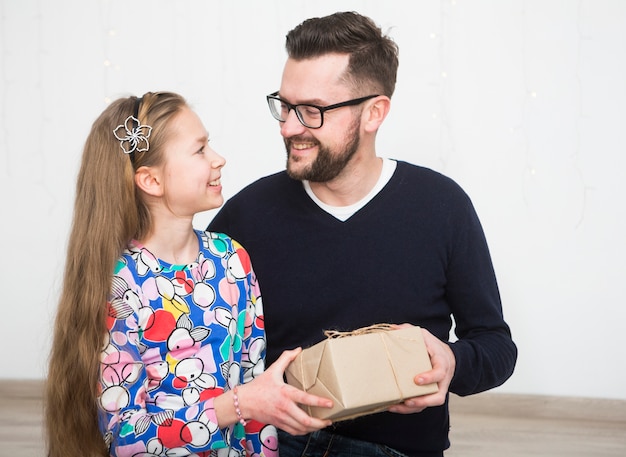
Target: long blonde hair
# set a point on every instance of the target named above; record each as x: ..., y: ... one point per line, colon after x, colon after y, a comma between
x: 108, y: 213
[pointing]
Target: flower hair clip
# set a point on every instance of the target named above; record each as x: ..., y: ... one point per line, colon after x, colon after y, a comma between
x: 133, y: 136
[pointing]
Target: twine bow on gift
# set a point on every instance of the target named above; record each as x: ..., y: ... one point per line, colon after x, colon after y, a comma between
x: 331, y: 334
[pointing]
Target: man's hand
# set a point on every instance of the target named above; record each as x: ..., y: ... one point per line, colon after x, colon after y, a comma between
x: 443, y: 365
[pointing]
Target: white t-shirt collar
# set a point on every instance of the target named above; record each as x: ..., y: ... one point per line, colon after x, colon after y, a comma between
x: 343, y: 213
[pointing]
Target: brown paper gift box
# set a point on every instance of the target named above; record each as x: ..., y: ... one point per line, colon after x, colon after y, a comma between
x: 363, y: 372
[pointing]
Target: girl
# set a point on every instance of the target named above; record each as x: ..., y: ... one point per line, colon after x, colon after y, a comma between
x: 159, y: 342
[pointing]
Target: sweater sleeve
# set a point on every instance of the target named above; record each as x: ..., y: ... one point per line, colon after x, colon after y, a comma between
x: 485, y: 352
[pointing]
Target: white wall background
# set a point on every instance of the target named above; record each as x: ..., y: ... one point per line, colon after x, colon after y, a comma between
x: 522, y: 102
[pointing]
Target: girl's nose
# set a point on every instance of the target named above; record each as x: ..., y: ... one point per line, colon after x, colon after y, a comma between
x: 217, y: 161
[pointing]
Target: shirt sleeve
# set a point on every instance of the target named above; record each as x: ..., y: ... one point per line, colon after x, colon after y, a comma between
x: 261, y: 439
x: 485, y: 352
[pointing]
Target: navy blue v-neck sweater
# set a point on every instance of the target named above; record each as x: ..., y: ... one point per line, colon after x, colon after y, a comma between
x: 415, y: 253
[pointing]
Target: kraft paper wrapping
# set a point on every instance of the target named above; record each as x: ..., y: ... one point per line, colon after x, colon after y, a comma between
x: 363, y: 372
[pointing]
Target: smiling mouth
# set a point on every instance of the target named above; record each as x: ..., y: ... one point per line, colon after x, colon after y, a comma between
x: 302, y: 146
x: 217, y: 182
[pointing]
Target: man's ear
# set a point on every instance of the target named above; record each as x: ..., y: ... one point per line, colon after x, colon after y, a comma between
x: 376, y: 113
x: 149, y: 181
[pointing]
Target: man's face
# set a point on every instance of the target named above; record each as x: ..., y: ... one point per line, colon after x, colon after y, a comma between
x: 319, y: 155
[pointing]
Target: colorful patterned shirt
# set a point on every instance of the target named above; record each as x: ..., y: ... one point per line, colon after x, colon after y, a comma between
x: 178, y: 336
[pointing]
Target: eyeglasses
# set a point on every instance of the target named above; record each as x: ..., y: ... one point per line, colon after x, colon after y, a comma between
x: 311, y: 116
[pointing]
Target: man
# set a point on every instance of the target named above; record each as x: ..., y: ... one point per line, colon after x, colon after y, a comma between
x: 345, y: 239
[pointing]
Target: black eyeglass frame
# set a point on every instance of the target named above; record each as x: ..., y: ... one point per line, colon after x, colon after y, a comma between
x: 322, y: 109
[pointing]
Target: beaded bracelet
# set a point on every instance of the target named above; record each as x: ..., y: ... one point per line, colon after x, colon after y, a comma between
x: 242, y: 421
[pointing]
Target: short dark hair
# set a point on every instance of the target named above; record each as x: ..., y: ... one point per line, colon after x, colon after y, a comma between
x: 373, y: 55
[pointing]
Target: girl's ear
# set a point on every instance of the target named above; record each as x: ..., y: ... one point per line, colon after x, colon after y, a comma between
x: 376, y: 113
x: 148, y: 179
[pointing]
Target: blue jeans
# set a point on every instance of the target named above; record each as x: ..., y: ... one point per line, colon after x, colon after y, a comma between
x: 325, y: 444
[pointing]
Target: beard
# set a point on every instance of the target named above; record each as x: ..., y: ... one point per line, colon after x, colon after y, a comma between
x: 328, y: 164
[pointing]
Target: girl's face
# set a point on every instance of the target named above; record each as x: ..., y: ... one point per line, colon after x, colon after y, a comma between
x: 192, y: 169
